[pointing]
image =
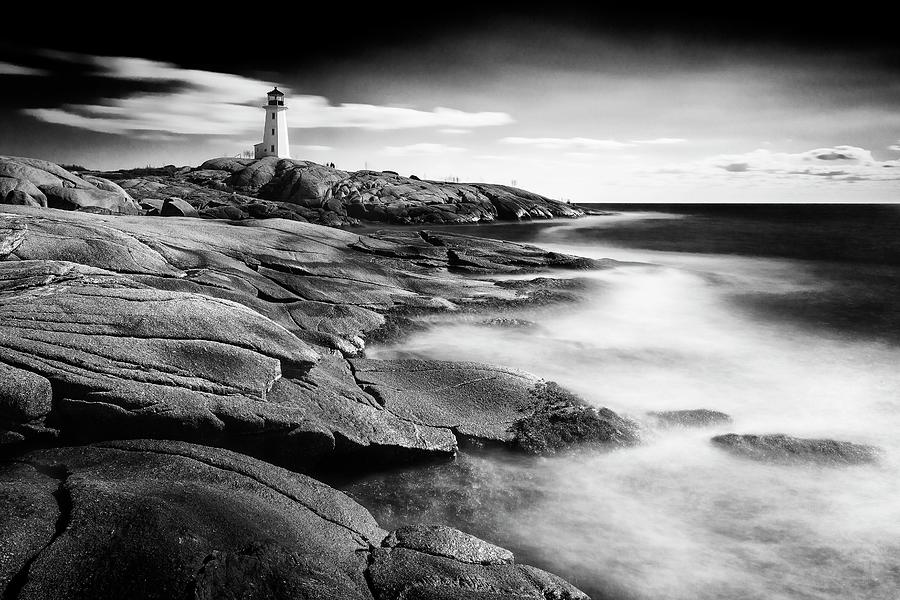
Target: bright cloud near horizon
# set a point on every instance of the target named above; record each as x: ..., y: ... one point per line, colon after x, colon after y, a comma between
x: 625, y: 124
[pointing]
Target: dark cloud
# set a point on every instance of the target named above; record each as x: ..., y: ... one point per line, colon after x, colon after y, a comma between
x: 258, y: 37
x: 835, y: 156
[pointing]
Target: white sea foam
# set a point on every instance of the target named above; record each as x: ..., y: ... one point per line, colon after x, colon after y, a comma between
x: 678, y: 517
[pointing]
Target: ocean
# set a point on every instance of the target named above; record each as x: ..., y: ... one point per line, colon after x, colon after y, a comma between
x: 784, y: 317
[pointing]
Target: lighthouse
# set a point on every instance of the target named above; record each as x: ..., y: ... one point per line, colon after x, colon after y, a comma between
x: 275, y: 129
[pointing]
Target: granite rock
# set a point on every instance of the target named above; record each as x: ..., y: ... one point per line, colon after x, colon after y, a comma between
x: 785, y: 449
x: 244, y: 335
x: 149, y: 519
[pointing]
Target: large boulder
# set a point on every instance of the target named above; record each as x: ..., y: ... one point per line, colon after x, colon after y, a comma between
x: 176, y: 207
x: 781, y: 448
x: 150, y: 519
x: 48, y: 184
x: 40, y: 172
x: 20, y: 198
x: 20, y: 191
x: 26, y: 399
x: 106, y: 185
x: 78, y: 198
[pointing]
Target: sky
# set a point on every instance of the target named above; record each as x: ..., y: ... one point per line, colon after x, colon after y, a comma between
x: 687, y: 106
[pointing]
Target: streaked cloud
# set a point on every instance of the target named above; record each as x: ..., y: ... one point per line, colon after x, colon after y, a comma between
x: 152, y: 136
x: 662, y: 140
x: 311, y: 148
x: 19, y: 70
x: 581, y: 146
x: 847, y: 164
x: 575, y: 144
x: 421, y: 149
x: 895, y: 147
x: 211, y: 103
x: 454, y: 131
x: 315, y: 111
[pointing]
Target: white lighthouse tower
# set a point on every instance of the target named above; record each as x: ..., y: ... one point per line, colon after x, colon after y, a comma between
x: 275, y: 130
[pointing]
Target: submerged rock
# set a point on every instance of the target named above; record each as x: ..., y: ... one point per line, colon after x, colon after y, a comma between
x: 781, y: 448
x: 160, y: 519
x: 509, y: 323
x: 560, y: 420
x: 700, y: 417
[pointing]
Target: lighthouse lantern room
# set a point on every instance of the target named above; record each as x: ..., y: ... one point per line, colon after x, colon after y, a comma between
x: 275, y: 129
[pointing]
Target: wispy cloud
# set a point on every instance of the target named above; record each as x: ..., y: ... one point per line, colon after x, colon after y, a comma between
x: 421, y: 149
x: 895, y: 147
x: 662, y: 140
x: 583, y: 145
x: 311, y: 148
x: 454, y: 131
x: 19, y: 70
x: 575, y: 144
x: 211, y: 103
x: 153, y: 136
x: 847, y: 164
x: 315, y: 111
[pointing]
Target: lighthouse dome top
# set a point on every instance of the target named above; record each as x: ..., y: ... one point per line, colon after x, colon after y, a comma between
x: 275, y: 97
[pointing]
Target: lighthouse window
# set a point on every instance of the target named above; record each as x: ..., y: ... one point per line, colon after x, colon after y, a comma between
x: 273, y: 116
x: 273, y: 132
x: 273, y: 147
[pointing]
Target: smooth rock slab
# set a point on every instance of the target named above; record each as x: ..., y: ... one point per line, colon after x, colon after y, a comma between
x: 489, y: 403
x: 128, y: 360
x: 780, y: 448
x: 127, y: 357
x: 79, y: 198
x: 206, y: 331
x: 451, y: 543
x: 403, y: 574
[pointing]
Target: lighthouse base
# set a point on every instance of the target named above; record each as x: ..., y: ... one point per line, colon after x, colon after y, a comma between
x: 263, y: 150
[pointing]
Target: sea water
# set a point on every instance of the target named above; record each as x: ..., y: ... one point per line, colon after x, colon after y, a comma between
x: 785, y: 318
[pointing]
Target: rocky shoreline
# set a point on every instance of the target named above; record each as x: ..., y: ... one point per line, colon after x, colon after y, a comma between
x: 240, y: 345
x: 172, y: 391
x: 243, y: 188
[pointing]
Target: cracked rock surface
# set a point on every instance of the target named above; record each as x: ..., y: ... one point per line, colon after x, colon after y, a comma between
x: 161, y: 519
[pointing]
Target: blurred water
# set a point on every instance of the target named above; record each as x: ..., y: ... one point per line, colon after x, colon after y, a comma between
x: 677, y: 517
